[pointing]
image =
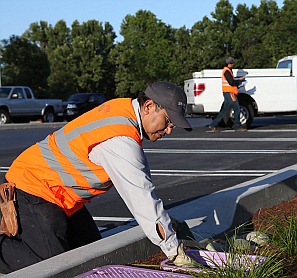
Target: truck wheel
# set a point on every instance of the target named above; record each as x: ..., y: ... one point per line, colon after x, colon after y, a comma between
x: 49, y: 116
x: 4, y: 117
x: 246, y: 115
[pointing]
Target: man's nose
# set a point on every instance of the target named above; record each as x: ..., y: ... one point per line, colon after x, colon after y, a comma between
x: 168, y: 130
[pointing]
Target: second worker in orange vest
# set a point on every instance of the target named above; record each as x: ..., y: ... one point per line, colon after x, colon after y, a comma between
x: 56, y: 177
x: 230, y: 92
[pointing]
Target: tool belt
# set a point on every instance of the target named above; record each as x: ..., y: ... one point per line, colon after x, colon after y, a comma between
x: 8, y: 223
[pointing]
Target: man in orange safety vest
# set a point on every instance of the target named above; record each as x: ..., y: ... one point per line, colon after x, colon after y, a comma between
x: 57, y: 176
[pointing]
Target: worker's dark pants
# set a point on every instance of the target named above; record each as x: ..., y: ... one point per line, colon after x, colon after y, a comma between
x: 227, y: 105
x: 44, y: 231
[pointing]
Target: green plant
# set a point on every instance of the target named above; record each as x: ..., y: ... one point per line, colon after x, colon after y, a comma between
x: 282, y: 229
x: 241, y: 265
x: 238, y: 262
x: 284, y: 234
x: 277, y: 258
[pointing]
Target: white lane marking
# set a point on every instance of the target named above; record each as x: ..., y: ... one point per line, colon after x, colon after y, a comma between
x: 186, y: 151
x: 115, y: 219
x: 202, y: 173
x: 215, y: 173
x: 265, y: 130
x: 257, y: 131
x: 232, y: 139
x: 3, y: 169
x: 207, y: 175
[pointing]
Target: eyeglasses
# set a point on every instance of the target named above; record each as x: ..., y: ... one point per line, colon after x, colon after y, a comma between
x: 168, y: 121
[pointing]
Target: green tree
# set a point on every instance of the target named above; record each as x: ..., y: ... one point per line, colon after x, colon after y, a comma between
x: 38, y: 33
x: 198, y: 59
x: 144, y: 54
x: 55, y: 42
x: 240, y: 39
x: 85, y: 58
x: 211, y: 39
x: 249, y: 38
x: 281, y: 40
x: 220, y: 34
x: 24, y: 64
x: 91, y: 45
x: 179, y: 67
x: 61, y: 80
x: 79, y: 57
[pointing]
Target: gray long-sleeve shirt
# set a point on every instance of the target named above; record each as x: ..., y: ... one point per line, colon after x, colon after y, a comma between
x: 126, y: 164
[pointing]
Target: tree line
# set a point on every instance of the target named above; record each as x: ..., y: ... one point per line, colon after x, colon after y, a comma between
x: 56, y: 61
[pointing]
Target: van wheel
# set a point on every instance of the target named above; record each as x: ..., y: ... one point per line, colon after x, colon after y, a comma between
x: 4, y: 117
x: 247, y: 114
x: 49, y: 116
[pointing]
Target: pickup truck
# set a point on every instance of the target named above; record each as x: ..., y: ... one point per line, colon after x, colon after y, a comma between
x: 18, y: 104
x: 268, y: 91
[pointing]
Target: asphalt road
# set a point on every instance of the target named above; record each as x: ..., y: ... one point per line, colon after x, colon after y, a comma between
x: 184, y: 165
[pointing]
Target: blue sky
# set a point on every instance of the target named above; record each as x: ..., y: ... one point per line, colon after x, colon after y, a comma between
x: 17, y: 15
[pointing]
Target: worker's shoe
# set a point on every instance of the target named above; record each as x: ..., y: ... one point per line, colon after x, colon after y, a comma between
x: 214, y: 128
x: 241, y: 129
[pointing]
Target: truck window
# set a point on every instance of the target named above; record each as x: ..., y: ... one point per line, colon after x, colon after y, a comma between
x: 28, y: 93
x: 91, y: 99
x: 100, y: 98
x: 4, y: 92
x: 17, y: 93
x: 287, y: 64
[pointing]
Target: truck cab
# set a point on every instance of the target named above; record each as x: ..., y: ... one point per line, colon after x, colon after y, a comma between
x: 18, y: 104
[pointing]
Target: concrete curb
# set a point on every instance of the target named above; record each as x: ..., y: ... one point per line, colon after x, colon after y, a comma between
x: 122, y: 248
x: 228, y: 208
x: 207, y: 217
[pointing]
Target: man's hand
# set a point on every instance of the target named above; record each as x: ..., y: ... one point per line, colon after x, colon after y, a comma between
x: 182, y: 259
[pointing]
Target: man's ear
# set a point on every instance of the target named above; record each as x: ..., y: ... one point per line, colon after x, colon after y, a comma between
x: 148, y: 106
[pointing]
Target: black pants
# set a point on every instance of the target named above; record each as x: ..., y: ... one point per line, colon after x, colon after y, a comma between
x: 44, y: 231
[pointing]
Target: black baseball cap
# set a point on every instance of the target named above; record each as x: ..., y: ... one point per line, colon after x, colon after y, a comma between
x: 173, y: 99
x: 230, y: 60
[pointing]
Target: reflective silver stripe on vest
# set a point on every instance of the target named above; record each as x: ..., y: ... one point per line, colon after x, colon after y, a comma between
x: 62, y: 141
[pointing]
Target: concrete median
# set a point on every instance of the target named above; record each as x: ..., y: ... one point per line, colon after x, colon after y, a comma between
x: 206, y: 217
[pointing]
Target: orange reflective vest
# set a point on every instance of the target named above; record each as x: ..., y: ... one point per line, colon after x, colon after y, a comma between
x: 226, y: 87
x: 58, y: 169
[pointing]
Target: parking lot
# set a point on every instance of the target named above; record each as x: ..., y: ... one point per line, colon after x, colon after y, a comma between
x: 186, y: 165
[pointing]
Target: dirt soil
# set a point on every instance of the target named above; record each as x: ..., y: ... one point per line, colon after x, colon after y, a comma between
x: 261, y: 218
